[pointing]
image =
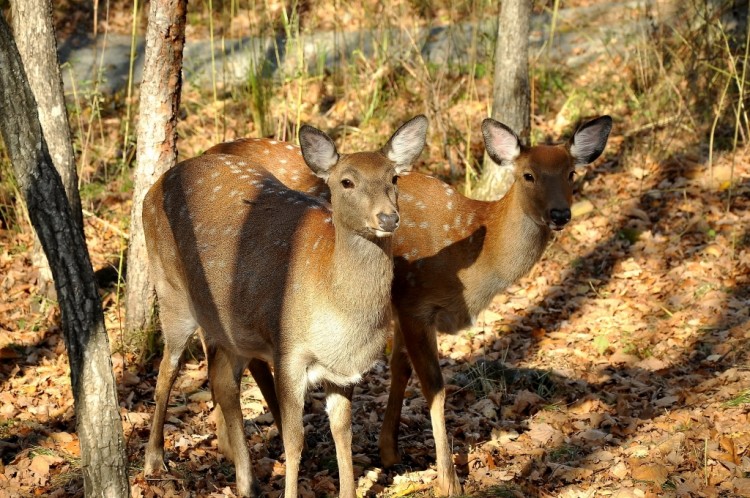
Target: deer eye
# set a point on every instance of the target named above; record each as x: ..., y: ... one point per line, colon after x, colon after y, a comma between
x: 571, y: 175
x: 347, y: 183
x: 528, y: 177
x: 394, y: 180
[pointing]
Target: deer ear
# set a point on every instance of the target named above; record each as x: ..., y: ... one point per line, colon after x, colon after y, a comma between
x: 500, y: 142
x: 318, y: 150
x: 405, y: 146
x: 589, y: 140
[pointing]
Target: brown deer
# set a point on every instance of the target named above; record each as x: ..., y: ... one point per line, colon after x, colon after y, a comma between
x: 272, y: 275
x: 450, y: 262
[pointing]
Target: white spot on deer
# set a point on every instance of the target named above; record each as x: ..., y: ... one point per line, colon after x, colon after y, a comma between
x: 317, y: 242
x: 469, y: 219
x: 457, y: 220
x: 242, y: 163
x: 421, y: 205
x: 282, y: 171
x: 266, y: 151
x: 413, y: 253
x: 272, y: 142
x: 328, y: 220
x: 217, y: 188
x: 290, y: 147
x: 410, y: 223
x: 243, y: 177
x: 228, y: 230
x: 449, y: 205
x: 424, y: 224
x: 199, y: 181
x: 446, y: 227
x: 299, y: 152
x: 215, y: 174
x: 234, y: 193
x: 283, y: 161
x: 295, y: 178
x: 407, y: 197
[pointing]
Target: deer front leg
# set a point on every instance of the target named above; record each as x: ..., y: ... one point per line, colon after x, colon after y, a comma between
x: 225, y: 373
x: 400, y: 373
x: 291, y: 384
x: 421, y: 345
x: 339, y: 409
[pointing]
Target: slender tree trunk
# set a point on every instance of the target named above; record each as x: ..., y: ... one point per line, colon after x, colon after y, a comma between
x: 157, y: 145
x: 35, y: 38
x: 98, y: 423
x: 511, y: 90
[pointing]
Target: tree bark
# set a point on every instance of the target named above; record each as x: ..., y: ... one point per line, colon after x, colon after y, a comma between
x: 35, y: 39
x: 98, y: 423
x: 511, y: 90
x: 157, y: 146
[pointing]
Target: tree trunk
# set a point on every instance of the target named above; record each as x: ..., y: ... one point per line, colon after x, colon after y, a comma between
x: 157, y: 146
x: 35, y: 38
x: 511, y: 90
x: 98, y: 423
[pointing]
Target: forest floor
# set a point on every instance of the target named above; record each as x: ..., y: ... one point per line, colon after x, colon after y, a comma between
x: 620, y: 366
x: 617, y: 367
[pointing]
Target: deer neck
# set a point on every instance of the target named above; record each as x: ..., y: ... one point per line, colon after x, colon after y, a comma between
x: 361, y: 272
x: 515, y: 242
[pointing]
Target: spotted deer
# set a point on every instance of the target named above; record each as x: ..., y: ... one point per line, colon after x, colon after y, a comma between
x: 453, y: 254
x: 275, y: 276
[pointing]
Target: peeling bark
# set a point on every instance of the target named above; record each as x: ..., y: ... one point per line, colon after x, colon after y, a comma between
x: 157, y: 144
x: 35, y: 39
x: 511, y: 91
x: 98, y: 423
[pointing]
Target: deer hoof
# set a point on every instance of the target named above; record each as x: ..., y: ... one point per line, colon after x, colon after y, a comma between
x: 154, y: 463
x: 448, y: 485
x: 389, y: 457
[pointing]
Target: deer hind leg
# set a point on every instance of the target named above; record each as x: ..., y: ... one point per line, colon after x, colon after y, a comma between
x: 339, y: 409
x: 177, y: 327
x: 400, y: 373
x: 421, y: 344
x: 225, y: 375
x: 261, y: 372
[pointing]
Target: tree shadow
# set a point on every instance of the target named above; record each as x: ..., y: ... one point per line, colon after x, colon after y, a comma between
x: 697, y: 362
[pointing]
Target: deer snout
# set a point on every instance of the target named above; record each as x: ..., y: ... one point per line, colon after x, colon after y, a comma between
x: 388, y: 222
x: 559, y: 217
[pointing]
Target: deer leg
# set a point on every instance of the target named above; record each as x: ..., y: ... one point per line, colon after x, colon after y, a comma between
x: 421, y: 345
x: 261, y: 372
x: 291, y: 383
x: 339, y: 409
x: 400, y: 373
x: 176, y: 331
x: 225, y: 374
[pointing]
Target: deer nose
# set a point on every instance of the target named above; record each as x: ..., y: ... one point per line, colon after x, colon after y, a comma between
x: 560, y: 216
x: 388, y: 222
